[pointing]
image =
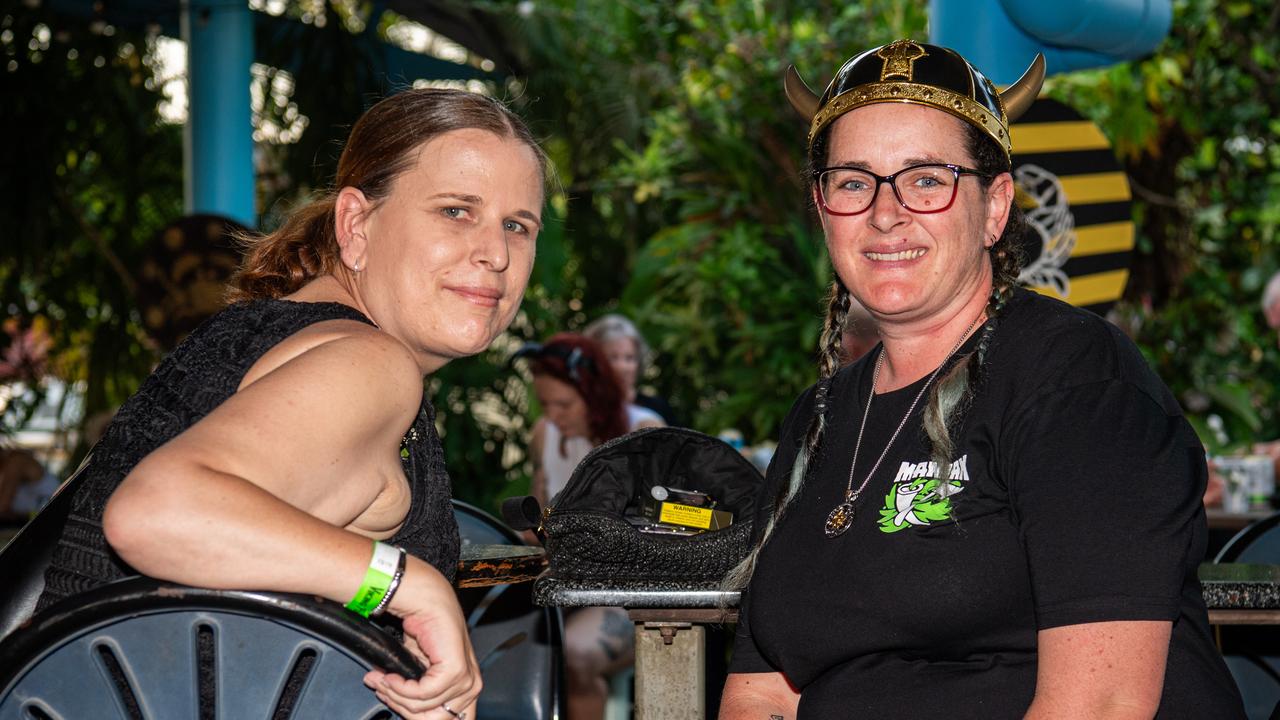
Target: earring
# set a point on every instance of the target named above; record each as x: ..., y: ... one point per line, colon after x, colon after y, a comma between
x: 355, y: 267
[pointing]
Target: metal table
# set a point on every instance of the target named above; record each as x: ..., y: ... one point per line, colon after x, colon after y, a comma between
x: 1219, y: 519
x: 1241, y: 594
x: 670, y: 638
x: 486, y: 565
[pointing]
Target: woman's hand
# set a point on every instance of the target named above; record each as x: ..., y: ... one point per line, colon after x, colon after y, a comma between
x: 436, y: 633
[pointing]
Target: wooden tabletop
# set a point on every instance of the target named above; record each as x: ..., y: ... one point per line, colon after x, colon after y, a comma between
x: 485, y: 565
x: 1220, y: 519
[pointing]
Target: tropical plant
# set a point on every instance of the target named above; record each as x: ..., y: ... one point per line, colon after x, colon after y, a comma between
x: 684, y: 179
x: 682, y: 199
x: 1195, y: 126
x: 90, y: 175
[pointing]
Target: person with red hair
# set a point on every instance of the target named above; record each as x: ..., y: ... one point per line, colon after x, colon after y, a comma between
x: 583, y: 405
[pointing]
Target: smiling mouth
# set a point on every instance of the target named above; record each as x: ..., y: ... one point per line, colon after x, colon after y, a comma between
x: 479, y: 296
x: 896, y: 256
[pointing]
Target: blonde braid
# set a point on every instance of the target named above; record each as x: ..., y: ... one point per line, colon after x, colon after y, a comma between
x: 838, y: 303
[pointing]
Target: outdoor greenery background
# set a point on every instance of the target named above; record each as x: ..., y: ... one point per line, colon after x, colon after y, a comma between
x: 681, y: 201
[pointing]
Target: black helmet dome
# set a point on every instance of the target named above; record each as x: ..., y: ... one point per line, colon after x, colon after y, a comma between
x: 909, y: 72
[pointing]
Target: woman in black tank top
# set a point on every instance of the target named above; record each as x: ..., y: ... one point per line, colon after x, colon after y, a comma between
x: 289, y: 434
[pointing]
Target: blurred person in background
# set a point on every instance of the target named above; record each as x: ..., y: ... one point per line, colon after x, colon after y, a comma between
x: 25, y: 485
x: 630, y: 356
x: 1270, y: 311
x: 583, y: 406
x: 859, y: 336
x: 286, y: 444
x: 1216, y: 488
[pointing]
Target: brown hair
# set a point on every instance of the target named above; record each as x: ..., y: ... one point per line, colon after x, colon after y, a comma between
x: 578, y: 362
x: 379, y: 150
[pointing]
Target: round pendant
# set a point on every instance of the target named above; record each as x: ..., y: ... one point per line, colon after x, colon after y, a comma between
x: 840, y: 519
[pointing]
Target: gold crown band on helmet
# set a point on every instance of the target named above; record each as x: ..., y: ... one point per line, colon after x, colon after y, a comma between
x: 917, y: 93
x: 898, y: 83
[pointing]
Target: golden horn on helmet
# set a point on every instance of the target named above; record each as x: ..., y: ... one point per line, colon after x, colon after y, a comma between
x: 802, y: 98
x: 1021, y: 94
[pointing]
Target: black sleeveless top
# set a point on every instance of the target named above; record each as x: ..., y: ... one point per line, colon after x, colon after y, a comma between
x: 202, y: 372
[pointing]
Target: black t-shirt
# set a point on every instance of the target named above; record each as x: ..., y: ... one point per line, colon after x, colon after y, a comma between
x: 1074, y: 498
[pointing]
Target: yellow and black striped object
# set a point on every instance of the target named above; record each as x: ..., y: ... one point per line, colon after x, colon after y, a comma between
x: 1076, y: 198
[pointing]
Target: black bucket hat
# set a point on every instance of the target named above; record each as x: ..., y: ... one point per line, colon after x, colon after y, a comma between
x: 910, y: 72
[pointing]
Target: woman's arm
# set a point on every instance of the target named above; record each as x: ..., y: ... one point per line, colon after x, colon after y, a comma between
x: 1101, y: 670
x: 758, y: 696
x: 281, y: 488
x: 281, y: 467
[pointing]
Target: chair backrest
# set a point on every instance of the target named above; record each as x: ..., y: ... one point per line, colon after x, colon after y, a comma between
x: 1258, y: 543
x: 1251, y: 653
x: 479, y: 527
x: 24, y: 559
x: 180, y: 651
x: 518, y: 644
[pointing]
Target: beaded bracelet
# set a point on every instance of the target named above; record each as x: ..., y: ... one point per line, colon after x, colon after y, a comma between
x: 395, y: 584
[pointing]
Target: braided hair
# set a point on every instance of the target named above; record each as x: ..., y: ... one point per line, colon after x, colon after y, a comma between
x: 950, y: 396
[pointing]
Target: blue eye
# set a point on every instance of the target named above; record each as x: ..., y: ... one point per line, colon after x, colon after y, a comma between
x: 515, y: 227
x: 453, y: 212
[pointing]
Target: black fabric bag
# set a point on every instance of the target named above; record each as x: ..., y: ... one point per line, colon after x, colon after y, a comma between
x: 587, y: 537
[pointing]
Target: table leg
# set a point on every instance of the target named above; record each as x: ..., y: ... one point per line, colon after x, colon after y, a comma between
x: 671, y: 673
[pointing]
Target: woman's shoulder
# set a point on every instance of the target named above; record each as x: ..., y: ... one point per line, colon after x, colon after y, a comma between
x: 638, y: 417
x: 341, y: 351
x: 1054, y: 345
x: 796, y: 421
x: 273, y: 312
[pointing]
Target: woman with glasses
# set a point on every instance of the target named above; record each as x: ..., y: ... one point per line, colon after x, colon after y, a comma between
x: 583, y: 405
x: 996, y: 513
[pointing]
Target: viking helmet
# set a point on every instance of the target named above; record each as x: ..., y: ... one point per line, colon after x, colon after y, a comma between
x: 910, y: 72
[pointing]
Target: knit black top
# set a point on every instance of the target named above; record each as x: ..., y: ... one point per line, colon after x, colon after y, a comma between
x: 197, y: 377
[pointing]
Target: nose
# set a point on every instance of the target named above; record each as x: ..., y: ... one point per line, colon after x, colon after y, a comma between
x: 490, y: 249
x: 886, y: 212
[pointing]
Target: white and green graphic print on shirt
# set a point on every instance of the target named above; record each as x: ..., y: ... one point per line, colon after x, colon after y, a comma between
x: 918, y: 497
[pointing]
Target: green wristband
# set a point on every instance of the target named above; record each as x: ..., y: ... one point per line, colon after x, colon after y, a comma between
x: 377, y: 579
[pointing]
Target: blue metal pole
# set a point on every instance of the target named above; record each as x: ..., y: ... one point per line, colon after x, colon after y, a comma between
x: 218, y: 141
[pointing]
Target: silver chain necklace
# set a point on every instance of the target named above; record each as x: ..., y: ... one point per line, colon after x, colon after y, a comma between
x: 841, y: 517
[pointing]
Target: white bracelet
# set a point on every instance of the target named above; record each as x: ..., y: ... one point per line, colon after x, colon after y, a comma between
x: 401, y: 561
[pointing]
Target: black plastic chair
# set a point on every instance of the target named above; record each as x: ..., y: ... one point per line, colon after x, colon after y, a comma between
x: 24, y: 558
x: 1258, y: 543
x: 142, y: 648
x: 519, y: 644
x: 1251, y: 652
